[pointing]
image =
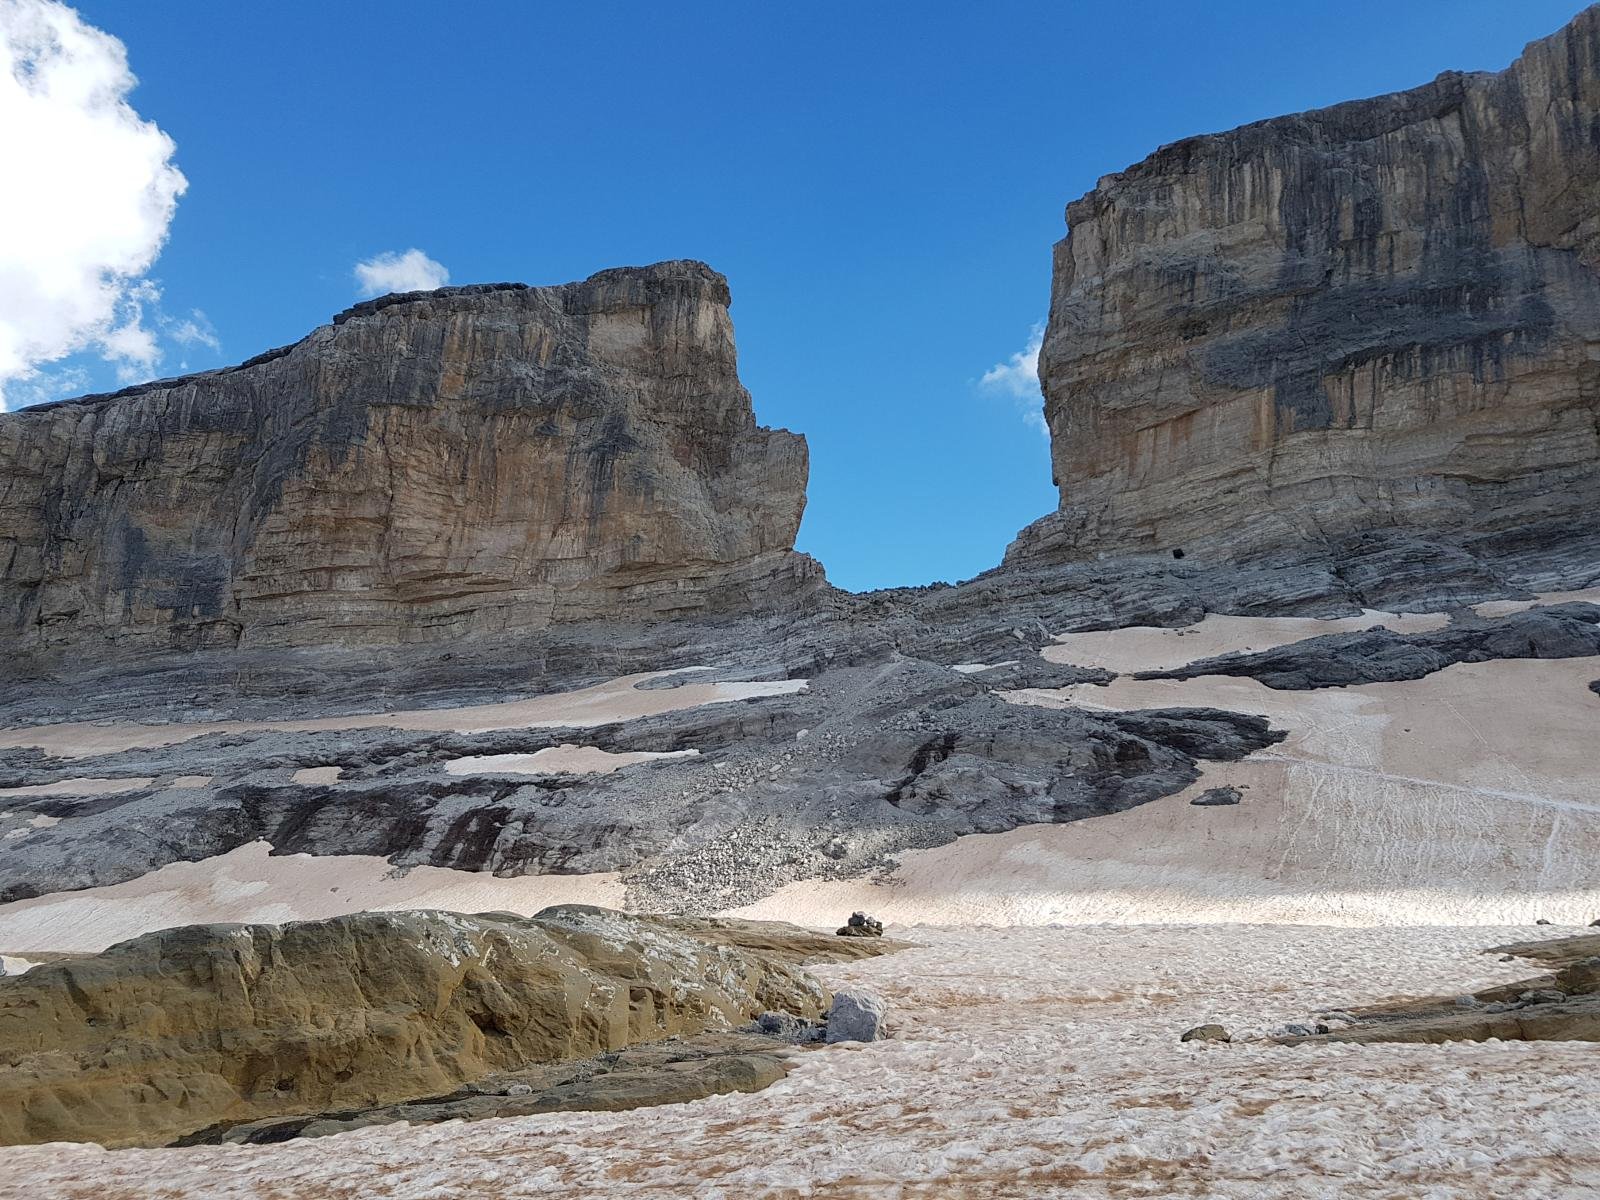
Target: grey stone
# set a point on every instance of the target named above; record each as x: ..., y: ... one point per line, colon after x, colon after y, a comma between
x: 788, y: 1027
x: 855, y: 1016
x: 1206, y: 1033
x: 1213, y: 797
x: 1542, y: 996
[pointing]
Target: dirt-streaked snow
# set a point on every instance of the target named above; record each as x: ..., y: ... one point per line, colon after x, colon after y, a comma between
x: 556, y: 760
x: 251, y: 884
x: 1026, y: 1062
x: 1159, y: 648
x: 620, y: 699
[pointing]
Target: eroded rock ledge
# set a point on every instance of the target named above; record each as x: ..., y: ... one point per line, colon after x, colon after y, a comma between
x: 431, y: 465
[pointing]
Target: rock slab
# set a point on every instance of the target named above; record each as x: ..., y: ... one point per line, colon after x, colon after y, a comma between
x: 214, y: 1025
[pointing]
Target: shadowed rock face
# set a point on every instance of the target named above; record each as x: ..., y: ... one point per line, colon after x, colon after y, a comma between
x: 432, y: 464
x: 210, y: 1025
x: 1382, y: 313
x: 1383, y: 656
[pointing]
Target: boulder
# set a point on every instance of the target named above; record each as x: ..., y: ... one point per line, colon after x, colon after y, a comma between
x: 1213, y: 797
x: 855, y: 1016
x: 202, y: 1025
x: 861, y: 925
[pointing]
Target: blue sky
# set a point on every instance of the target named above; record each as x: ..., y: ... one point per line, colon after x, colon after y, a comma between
x: 881, y: 183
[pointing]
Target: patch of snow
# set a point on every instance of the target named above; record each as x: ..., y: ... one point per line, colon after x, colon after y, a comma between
x: 1157, y: 648
x: 251, y: 884
x: 1504, y: 608
x: 620, y: 699
x: 314, y: 776
x: 77, y: 787
x: 555, y: 760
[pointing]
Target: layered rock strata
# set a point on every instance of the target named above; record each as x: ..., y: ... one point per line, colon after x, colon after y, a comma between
x: 429, y: 465
x: 190, y: 1028
x: 1382, y: 313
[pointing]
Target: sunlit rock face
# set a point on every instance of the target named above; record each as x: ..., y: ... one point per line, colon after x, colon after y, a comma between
x: 429, y: 465
x: 1382, y: 313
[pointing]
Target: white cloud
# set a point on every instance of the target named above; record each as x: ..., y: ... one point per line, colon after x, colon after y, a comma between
x: 1018, y: 378
x: 194, y: 330
x: 40, y: 387
x: 89, y: 194
x: 400, y: 271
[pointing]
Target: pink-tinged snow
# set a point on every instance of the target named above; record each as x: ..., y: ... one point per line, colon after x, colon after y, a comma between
x: 620, y: 699
x: 1158, y: 648
x: 1501, y: 608
x: 1025, y: 1062
x: 251, y: 884
x: 79, y: 786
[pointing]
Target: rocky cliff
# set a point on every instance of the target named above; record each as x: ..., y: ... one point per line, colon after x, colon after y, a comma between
x: 430, y: 464
x: 1382, y: 313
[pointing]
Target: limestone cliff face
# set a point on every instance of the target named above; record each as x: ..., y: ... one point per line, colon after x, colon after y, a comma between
x: 429, y: 465
x: 1381, y: 313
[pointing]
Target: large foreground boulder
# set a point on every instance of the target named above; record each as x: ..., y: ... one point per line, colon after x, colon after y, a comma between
x: 189, y: 1028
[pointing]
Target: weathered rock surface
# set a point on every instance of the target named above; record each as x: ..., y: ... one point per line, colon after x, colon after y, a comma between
x: 1561, y: 1006
x: 902, y: 755
x: 855, y: 1016
x: 429, y: 465
x: 201, y: 1026
x: 1384, y: 313
x: 674, y: 1071
x: 1383, y: 656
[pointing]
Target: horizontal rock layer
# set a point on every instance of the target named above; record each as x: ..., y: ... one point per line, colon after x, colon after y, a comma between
x: 429, y: 465
x: 1382, y: 313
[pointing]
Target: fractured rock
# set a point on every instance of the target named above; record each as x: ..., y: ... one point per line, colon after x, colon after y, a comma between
x: 1213, y: 797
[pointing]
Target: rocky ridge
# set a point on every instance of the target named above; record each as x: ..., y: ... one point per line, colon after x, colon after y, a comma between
x: 1561, y: 1005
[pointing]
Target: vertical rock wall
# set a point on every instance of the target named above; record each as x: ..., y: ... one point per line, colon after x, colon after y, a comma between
x: 430, y: 465
x: 1382, y: 313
